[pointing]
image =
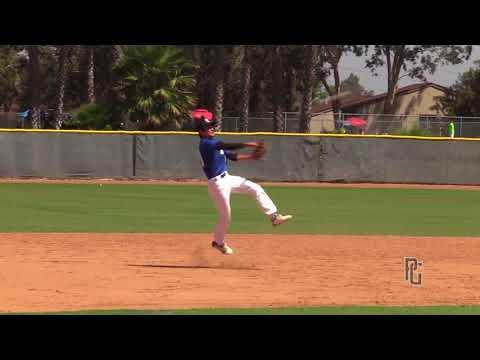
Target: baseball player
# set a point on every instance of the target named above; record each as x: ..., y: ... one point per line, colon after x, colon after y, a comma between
x: 221, y: 184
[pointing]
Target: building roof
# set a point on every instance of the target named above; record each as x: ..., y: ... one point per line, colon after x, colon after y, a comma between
x: 361, y: 100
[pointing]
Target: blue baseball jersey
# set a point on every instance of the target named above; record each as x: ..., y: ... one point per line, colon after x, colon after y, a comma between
x: 214, y: 159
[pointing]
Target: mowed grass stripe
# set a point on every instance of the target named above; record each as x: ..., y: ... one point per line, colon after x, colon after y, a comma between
x: 327, y: 310
x: 183, y: 209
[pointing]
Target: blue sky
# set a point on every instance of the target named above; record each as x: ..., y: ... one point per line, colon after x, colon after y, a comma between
x: 445, y: 75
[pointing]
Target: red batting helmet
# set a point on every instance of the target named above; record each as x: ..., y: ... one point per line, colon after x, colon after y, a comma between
x: 203, y: 119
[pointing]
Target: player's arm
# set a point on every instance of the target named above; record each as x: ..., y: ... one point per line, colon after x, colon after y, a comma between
x: 236, y: 146
x: 233, y: 156
x: 245, y: 157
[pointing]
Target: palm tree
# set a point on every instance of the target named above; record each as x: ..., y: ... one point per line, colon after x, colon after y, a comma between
x: 106, y: 57
x: 201, y: 57
x: 64, y: 53
x: 246, y: 79
x: 87, y: 72
x: 90, y: 74
x: 34, y: 83
x: 278, y: 88
x: 157, y: 84
x: 292, y: 63
x: 258, y: 96
x: 198, y: 55
x: 307, y: 88
x: 219, y: 84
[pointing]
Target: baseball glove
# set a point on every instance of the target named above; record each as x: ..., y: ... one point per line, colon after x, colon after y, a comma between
x: 260, y: 151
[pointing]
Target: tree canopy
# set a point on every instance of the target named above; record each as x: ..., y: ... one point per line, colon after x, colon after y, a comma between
x: 352, y: 86
x: 154, y: 86
x: 412, y: 61
x: 463, y: 97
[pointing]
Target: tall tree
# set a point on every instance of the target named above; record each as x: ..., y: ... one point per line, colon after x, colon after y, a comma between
x: 34, y: 84
x: 414, y: 61
x: 246, y: 84
x: 63, y: 54
x: 330, y: 57
x: 278, y: 89
x: 9, y: 76
x: 307, y: 88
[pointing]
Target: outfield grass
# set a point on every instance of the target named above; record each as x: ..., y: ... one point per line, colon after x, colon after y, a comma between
x: 326, y: 310
x: 163, y: 208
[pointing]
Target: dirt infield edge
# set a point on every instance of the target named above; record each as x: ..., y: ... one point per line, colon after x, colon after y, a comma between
x: 266, y: 183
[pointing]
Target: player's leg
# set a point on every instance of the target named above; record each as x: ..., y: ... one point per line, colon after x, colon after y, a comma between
x: 244, y: 186
x: 220, y: 194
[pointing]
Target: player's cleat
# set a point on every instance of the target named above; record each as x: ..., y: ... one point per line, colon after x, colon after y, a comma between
x: 278, y: 219
x: 224, y: 248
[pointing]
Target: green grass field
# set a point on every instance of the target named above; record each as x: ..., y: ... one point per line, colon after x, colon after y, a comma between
x: 180, y: 209
x: 156, y: 208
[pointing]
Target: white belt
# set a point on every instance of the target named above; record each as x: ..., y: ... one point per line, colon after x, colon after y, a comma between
x: 218, y: 177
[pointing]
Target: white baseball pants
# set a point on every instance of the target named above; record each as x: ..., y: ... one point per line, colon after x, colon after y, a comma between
x: 220, y: 189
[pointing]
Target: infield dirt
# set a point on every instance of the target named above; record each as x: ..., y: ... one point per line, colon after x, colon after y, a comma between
x: 61, y: 272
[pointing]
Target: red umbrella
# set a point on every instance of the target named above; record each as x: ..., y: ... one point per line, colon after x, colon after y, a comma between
x: 356, y: 122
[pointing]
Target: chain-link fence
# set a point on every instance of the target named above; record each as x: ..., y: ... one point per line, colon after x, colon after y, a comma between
x: 261, y: 122
x: 11, y: 120
x: 376, y: 124
x: 425, y: 125
x: 22, y: 120
x: 464, y: 126
x: 327, y: 123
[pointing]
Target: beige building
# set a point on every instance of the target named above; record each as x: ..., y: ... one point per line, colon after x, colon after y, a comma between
x: 411, y: 104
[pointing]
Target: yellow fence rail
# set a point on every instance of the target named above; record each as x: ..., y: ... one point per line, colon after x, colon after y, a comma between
x: 189, y: 133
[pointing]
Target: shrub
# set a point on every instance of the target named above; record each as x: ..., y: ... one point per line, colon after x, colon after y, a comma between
x: 91, y: 117
x: 415, y: 131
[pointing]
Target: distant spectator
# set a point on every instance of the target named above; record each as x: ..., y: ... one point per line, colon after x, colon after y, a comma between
x: 22, y: 118
x: 451, y: 129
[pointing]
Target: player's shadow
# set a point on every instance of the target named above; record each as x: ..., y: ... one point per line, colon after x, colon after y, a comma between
x: 192, y: 267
